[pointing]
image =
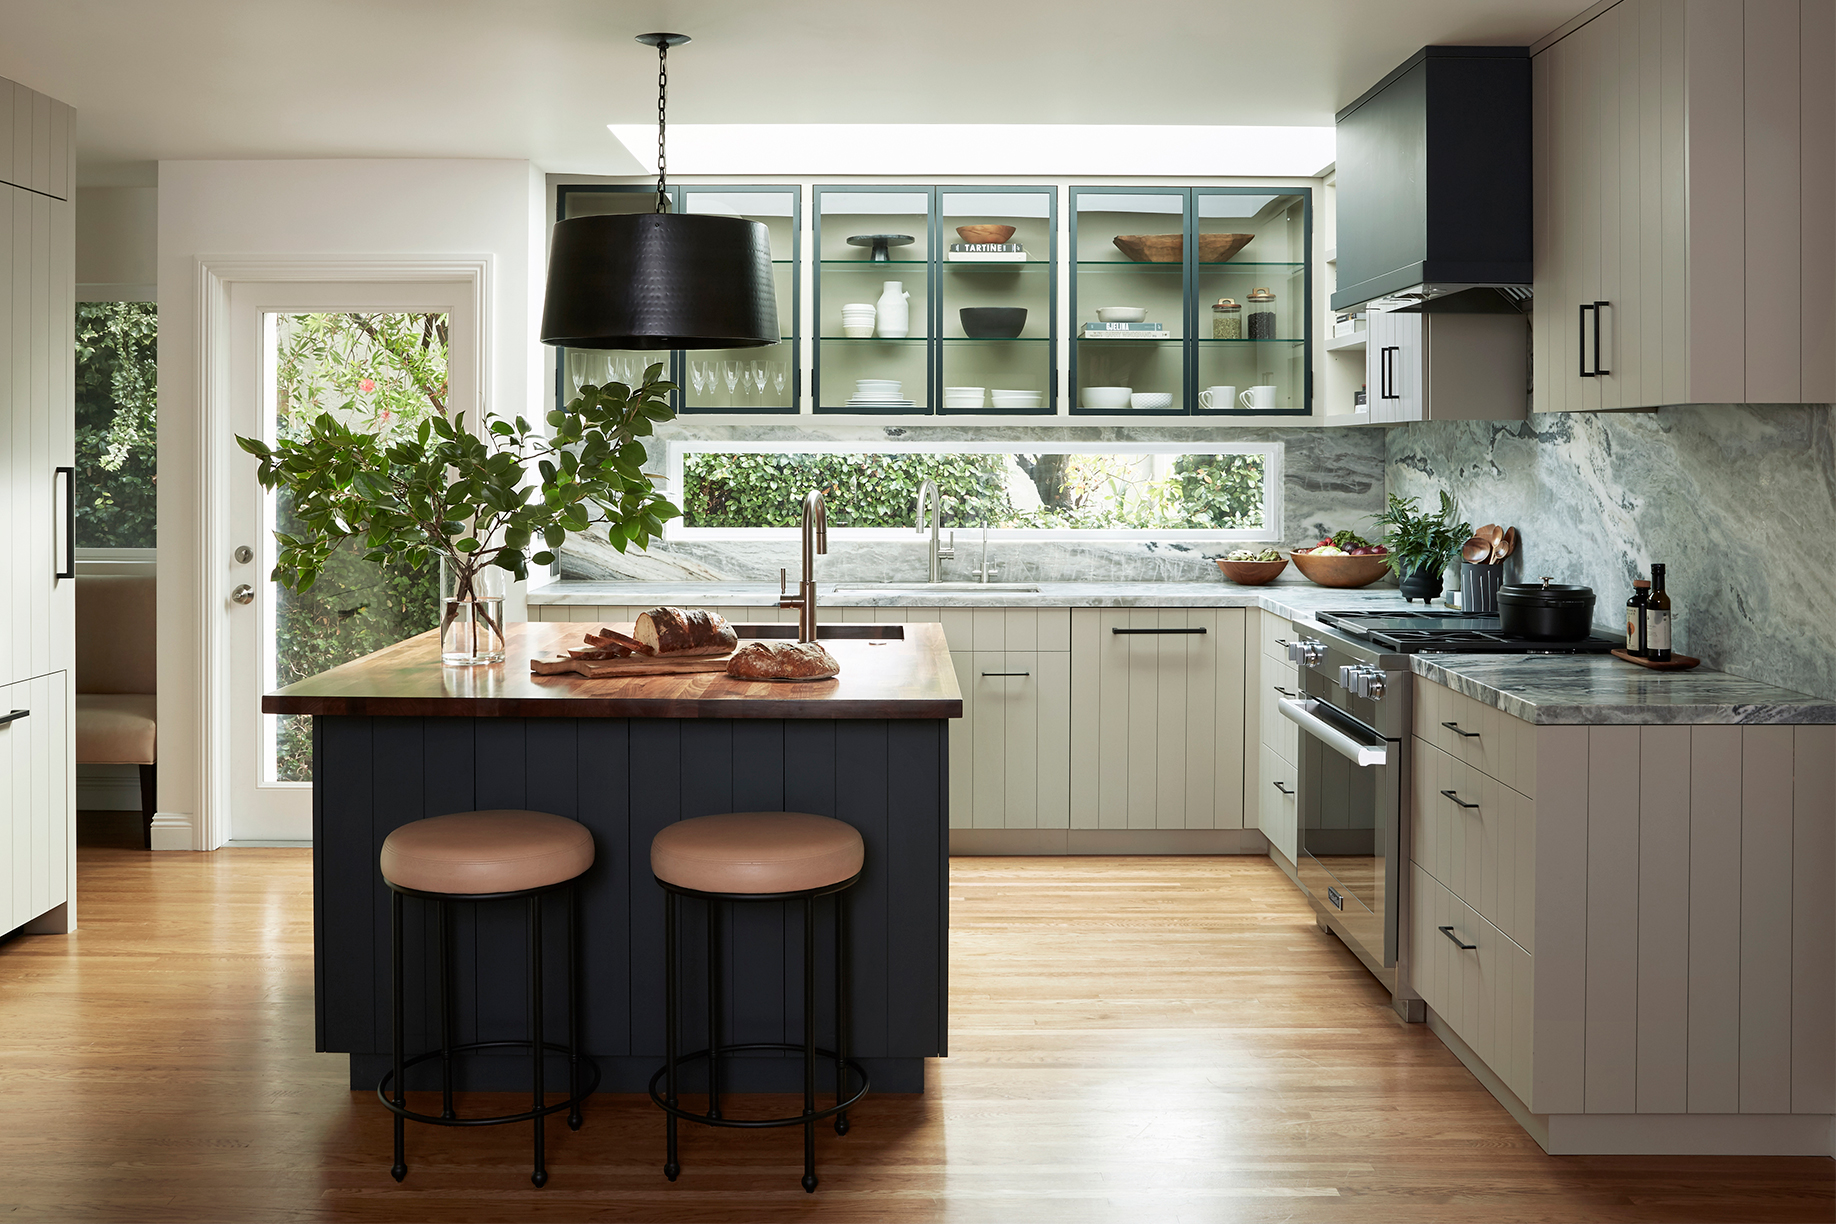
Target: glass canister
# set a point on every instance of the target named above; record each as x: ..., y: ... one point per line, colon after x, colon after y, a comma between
x: 1226, y: 320
x: 1262, y: 314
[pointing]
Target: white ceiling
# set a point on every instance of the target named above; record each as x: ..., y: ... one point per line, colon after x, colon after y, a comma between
x: 540, y: 79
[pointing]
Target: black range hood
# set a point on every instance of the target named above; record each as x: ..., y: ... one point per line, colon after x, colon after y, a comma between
x: 1433, y: 171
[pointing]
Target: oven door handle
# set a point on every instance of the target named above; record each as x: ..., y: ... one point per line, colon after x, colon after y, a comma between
x: 1356, y: 749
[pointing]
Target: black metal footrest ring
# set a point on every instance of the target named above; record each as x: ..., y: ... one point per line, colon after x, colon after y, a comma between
x: 587, y: 1065
x: 758, y: 1123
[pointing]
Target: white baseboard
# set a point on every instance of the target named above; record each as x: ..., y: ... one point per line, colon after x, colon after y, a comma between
x: 171, y: 831
x: 1107, y: 841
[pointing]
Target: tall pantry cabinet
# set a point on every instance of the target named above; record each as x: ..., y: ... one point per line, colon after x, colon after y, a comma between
x: 37, y: 453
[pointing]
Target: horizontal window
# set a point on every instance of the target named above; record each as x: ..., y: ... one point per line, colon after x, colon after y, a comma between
x: 1118, y: 491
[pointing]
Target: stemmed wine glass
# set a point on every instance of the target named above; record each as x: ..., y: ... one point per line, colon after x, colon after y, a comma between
x: 759, y: 375
x: 730, y: 370
x: 777, y: 384
x: 694, y: 373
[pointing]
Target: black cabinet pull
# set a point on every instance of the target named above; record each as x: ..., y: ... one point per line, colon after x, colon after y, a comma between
x: 1386, y: 372
x: 12, y: 717
x: 1463, y: 803
x: 1196, y: 629
x: 1597, y: 369
x: 1284, y: 692
x: 985, y: 675
x: 1464, y: 947
x: 1581, y: 338
x: 1455, y: 728
x: 1278, y: 786
x: 1282, y: 642
x: 68, y: 477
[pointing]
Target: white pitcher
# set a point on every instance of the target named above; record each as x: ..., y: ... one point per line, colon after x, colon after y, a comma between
x: 893, y: 316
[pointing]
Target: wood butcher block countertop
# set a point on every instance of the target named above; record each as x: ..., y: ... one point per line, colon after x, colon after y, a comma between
x: 908, y: 677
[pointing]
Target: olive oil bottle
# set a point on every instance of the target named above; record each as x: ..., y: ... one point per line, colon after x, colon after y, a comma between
x: 1635, y: 617
x: 1658, y: 619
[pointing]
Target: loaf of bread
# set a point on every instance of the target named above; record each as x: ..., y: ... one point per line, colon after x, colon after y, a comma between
x: 684, y: 631
x: 782, y: 661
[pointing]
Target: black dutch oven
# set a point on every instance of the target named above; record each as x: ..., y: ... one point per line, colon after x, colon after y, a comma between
x: 1546, y: 612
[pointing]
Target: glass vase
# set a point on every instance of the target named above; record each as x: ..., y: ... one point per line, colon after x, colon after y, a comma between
x: 471, y: 616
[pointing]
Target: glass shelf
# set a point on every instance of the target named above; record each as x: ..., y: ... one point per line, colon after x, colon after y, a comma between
x: 996, y: 339
x: 1154, y: 266
x: 872, y: 263
x: 1246, y: 340
x: 1134, y: 340
x: 875, y: 339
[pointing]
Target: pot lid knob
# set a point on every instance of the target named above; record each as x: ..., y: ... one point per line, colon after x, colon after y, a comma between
x: 1546, y: 581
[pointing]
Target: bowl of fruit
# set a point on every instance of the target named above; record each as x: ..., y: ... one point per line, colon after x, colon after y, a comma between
x: 1345, y: 560
x: 1253, y: 566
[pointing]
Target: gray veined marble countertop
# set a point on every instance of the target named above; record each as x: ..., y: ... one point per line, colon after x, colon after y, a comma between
x: 1537, y: 688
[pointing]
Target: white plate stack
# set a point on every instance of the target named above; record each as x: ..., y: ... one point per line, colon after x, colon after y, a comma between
x: 964, y: 397
x: 857, y: 320
x: 879, y: 393
x: 1017, y: 399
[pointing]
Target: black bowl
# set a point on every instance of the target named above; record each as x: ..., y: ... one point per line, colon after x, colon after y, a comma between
x: 993, y: 322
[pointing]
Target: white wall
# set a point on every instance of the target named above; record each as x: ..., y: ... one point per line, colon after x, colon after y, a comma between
x: 117, y: 243
x: 293, y: 208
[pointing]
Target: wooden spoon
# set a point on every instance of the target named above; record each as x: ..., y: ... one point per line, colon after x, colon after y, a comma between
x: 1506, y: 546
x: 1476, y: 550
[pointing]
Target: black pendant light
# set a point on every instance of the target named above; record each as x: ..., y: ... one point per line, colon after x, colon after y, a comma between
x: 660, y: 280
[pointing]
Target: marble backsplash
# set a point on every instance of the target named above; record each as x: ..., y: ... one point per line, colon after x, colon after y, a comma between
x: 1737, y: 501
x: 1332, y: 478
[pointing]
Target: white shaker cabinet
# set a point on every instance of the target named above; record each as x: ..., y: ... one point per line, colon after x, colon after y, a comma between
x: 37, y: 443
x: 1685, y: 213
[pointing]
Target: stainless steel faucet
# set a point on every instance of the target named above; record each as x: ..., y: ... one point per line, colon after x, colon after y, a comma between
x: 938, y: 555
x: 815, y: 540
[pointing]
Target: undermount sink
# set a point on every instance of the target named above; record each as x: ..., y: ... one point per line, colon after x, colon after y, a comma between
x: 895, y: 632
x: 919, y: 588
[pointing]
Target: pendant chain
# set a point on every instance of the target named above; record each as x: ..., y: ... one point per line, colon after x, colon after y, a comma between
x: 662, y: 102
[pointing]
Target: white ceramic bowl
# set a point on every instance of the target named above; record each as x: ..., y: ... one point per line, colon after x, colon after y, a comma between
x: 964, y: 390
x: 868, y: 307
x: 1121, y: 314
x: 877, y: 384
x: 1107, y: 397
x: 1151, y: 400
x: 1017, y: 399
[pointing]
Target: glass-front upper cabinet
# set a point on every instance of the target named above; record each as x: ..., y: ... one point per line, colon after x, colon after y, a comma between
x: 1190, y: 300
x: 764, y: 379
x: 1252, y: 335
x: 874, y: 298
x: 997, y: 296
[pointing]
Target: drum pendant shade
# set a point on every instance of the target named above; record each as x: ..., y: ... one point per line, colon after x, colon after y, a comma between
x: 660, y: 281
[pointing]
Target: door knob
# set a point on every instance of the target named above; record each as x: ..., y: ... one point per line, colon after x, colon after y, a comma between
x: 243, y: 594
x: 244, y: 554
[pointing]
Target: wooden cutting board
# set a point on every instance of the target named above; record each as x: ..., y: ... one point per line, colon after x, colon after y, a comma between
x: 611, y: 669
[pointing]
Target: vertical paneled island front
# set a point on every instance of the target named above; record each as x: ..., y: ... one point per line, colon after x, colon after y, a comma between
x: 397, y: 738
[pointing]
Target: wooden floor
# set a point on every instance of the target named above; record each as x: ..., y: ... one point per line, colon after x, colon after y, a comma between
x: 1132, y: 1039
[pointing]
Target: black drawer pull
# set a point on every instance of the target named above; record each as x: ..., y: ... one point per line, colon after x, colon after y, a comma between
x: 1463, y: 803
x: 1464, y: 947
x: 985, y: 675
x: 1455, y: 728
x: 1282, y: 642
x: 13, y: 717
x: 1278, y: 786
x: 1284, y: 692
x: 1198, y: 629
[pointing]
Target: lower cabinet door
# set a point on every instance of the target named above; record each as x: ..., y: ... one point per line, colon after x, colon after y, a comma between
x: 35, y: 799
x: 1475, y: 978
x: 1010, y: 752
x: 1275, y: 805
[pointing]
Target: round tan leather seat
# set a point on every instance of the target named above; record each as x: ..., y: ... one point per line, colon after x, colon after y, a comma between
x: 486, y: 852
x: 756, y: 852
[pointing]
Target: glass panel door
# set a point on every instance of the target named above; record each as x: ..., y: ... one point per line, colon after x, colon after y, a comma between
x: 873, y: 299
x: 577, y: 367
x: 1128, y: 300
x: 1253, y: 294
x: 998, y: 299
x: 751, y: 379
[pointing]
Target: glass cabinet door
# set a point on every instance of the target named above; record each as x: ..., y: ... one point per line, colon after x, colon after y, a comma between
x: 1129, y: 300
x: 1253, y: 301
x: 873, y: 299
x: 997, y: 299
x: 576, y: 367
x: 764, y: 379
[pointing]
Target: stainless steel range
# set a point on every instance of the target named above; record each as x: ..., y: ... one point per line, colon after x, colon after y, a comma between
x: 1354, y: 708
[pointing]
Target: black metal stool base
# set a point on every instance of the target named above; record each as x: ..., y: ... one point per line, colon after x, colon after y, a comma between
x: 837, y: 1111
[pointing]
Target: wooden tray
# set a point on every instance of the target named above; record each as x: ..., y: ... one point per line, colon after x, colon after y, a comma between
x: 610, y: 669
x: 1678, y: 662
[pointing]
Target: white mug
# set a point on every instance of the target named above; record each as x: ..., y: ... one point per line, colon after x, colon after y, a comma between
x: 1258, y: 397
x: 1217, y: 397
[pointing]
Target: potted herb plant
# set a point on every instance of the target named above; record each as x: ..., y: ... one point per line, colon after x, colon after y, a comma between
x: 1422, y: 544
x: 468, y: 500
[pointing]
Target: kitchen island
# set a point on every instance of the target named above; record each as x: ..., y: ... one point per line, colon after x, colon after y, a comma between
x: 397, y: 737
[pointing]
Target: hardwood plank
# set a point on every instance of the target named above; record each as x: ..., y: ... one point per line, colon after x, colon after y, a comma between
x: 1813, y: 929
x: 1765, y: 919
x: 1663, y: 920
x: 1714, y: 920
x: 1612, y: 920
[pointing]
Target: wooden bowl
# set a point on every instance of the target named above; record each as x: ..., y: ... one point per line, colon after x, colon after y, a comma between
x: 1171, y: 248
x: 1251, y: 573
x: 984, y: 233
x: 1348, y: 571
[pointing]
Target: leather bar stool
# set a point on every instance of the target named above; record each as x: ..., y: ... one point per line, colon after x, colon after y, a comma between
x: 758, y: 856
x: 487, y: 856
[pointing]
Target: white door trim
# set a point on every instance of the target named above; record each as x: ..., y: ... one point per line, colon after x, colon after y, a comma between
x: 214, y: 276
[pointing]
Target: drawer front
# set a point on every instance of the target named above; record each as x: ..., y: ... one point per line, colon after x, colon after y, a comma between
x: 1275, y: 805
x: 1276, y: 634
x: 1279, y: 680
x: 1477, y: 837
x: 1483, y: 990
x: 35, y: 799
x: 1010, y: 764
x: 982, y: 629
x: 1483, y: 736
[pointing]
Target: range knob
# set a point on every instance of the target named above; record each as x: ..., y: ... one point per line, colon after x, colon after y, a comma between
x: 1373, y: 686
x: 1348, y: 677
x: 1312, y: 651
